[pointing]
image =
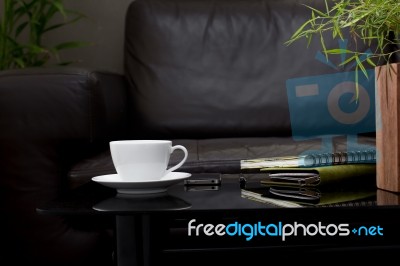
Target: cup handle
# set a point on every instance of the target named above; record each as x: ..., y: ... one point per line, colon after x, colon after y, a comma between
x: 182, y: 161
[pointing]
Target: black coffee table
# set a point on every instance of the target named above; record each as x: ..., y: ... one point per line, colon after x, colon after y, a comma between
x: 149, y: 229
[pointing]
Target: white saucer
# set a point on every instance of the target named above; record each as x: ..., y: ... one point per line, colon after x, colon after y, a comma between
x: 141, y: 187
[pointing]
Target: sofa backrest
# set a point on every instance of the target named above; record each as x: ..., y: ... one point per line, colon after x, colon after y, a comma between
x: 220, y: 68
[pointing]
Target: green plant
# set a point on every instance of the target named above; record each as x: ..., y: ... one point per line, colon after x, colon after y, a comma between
x: 367, y: 21
x: 23, y: 26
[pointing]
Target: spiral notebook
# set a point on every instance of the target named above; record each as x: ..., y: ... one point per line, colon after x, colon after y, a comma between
x: 312, y: 160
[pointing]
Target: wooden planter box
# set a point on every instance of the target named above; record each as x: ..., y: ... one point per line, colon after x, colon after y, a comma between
x: 388, y: 127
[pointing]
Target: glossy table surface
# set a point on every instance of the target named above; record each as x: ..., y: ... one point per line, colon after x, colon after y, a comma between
x: 94, y: 198
x: 225, y: 200
x: 372, y: 224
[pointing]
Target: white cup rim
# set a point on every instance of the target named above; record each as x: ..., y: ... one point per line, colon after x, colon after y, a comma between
x: 142, y: 141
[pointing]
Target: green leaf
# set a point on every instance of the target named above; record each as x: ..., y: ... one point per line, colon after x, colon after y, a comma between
x: 20, y: 62
x: 32, y: 18
x: 357, y: 84
x: 370, y: 62
x: 20, y: 28
x: 368, y: 21
x: 296, y: 35
x: 55, y: 26
x: 339, y: 51
x: 69, y: 45
x: 59, y: 6
x: 323, y: 45
x: 348, y: 60
x: 361, y: 67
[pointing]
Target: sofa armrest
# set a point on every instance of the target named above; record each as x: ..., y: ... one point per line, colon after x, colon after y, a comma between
x: 62, y: 103
x: 50, y: 118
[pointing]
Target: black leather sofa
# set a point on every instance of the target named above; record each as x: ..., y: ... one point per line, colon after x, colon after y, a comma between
x: 207, y: 74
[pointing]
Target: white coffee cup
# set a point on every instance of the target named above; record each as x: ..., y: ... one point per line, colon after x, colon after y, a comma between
x: 144, y: 160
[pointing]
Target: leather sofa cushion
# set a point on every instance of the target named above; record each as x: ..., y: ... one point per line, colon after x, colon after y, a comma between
x: 208, y: 69
x: 223, y: 155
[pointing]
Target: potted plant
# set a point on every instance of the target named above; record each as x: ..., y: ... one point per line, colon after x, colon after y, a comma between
x: 23, y: 26
x: 375, y: 23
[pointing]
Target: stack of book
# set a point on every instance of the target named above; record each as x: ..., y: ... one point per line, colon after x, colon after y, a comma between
x: 335, y: 179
